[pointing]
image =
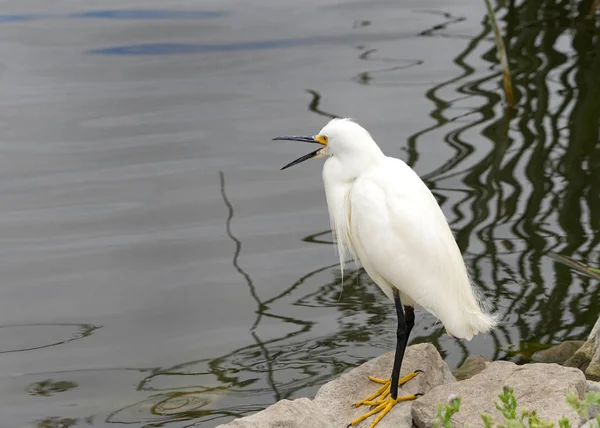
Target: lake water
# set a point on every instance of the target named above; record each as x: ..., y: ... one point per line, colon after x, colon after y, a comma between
x: 157, y: 267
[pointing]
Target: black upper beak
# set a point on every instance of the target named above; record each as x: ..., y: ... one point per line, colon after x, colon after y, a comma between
x: 295, y: 138
x: 304, y: 140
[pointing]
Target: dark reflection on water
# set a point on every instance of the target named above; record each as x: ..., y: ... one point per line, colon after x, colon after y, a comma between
x: 56, y: 422
x: 196, y: 48
x: 124, y: 14
x: 149, y: 14
x: 533, y: 193
x: 70, y: 332
x: 315, y: 105
x: 253, y: 371
x: 184, y: 48
x: 373, y: 76
x: 50, y: 387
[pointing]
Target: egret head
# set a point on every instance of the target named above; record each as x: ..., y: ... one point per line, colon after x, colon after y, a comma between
x: 340, y: 137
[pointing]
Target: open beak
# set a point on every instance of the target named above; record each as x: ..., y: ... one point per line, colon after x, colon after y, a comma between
x: 314, y: 140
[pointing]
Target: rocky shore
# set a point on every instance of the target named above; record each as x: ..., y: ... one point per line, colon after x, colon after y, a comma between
x: 571, y: 367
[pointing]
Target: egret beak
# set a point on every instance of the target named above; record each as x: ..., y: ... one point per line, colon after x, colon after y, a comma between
x: 317, y: 139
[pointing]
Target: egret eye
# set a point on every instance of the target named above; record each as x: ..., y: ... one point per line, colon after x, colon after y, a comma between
x: 325, y: 138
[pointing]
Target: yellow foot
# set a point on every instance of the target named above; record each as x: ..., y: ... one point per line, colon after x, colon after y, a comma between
x: 381, y: 400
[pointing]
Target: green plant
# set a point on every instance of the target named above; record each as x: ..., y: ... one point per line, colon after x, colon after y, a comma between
x: 527, y: 419
x: 512, y: 419
x: 577, y: 266
x: 590, y: 400
x: 445, y: 413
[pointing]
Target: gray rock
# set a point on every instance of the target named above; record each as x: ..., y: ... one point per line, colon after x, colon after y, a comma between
x: 471, y: 367
x: 558, y: 353
x: 591, y: 424
x: 540, y: 387
x: 300, y: 413
x: 337, y: 398
x: 333, y: 407
x: 592, y: 386
x: 587, y: 358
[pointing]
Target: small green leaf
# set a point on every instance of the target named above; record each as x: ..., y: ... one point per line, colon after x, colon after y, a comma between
x: 564, y: 423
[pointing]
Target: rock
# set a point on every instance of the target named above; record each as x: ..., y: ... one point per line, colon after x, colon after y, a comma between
x: 333, y: 407
x: 471, y: 367
x: 587, y: 358
x: 300, y: 413
x: 591, y: 386
x: 558, y: 353
x: 337, y: 398
x: 591, y: 424
x: 593, y: 413
x: 540, y: 387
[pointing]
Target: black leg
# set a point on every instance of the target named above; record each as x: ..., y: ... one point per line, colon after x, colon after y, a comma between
x: 409, y: 319
x: 405, y: 324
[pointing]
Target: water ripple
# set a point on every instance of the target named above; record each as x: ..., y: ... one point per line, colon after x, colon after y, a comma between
x: 188, y: 48
x: 122, y: 14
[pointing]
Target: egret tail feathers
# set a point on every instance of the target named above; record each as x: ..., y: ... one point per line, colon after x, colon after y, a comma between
x: 471, y: 322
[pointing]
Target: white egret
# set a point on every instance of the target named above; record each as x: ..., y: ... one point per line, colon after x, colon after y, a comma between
x: 385, y: 217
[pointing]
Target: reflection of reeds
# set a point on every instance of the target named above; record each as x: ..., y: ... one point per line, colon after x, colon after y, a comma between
x: 533, y: 191
x: 595, y: 6
x: 259, y: 372
x: 508, y: 91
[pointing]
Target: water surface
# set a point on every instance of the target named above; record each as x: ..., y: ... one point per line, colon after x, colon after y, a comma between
x: 159, y: 269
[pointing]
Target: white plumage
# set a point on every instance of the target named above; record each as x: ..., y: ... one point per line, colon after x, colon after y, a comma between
x: 385, y: 217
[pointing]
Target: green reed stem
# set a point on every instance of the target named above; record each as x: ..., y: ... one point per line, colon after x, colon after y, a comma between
x: 575, y: 265
x: 508, y: 91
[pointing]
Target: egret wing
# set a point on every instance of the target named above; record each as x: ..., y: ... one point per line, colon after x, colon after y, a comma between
x: 403, y: 240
